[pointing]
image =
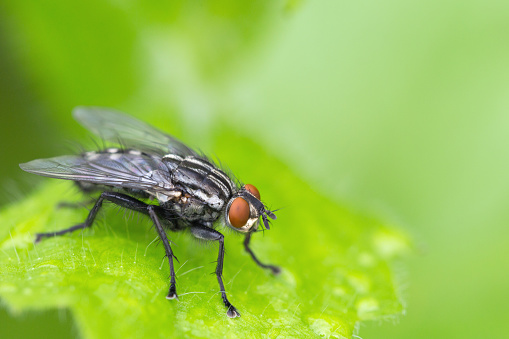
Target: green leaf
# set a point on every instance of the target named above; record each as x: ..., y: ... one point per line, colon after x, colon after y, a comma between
x: 114, y: 279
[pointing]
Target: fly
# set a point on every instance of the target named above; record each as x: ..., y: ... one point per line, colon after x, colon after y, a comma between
x: 193, y: 194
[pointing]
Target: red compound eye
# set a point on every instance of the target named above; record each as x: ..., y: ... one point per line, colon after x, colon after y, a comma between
x: 253, y: 190
x: 239, y: 212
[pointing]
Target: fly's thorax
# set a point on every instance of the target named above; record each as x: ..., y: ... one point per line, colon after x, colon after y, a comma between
x: 192, y: 209
x: 244, y: 209
x: 201, y: 179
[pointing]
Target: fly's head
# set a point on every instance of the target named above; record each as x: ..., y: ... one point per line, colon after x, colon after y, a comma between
x: 244, y: 210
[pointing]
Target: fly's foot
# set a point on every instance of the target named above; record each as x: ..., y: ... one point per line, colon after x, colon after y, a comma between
x: 38, y: 237
x: 276, y: 270
x: 172, y: 294
x: 232, y: 312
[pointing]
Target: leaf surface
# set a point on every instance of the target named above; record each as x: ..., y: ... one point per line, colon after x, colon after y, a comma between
x: 114, y: 279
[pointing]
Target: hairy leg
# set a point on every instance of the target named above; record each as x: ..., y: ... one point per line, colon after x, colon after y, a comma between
x: 123, y: 200
x: 208, y: 234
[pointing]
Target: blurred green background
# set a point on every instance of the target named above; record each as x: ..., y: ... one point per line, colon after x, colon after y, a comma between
x: 398, y: 108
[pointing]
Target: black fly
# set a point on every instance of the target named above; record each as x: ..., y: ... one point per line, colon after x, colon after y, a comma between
x: 193, y: 193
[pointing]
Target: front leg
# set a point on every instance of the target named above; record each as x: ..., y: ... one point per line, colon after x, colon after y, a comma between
x: 208, y: 234
x: 275, y: 269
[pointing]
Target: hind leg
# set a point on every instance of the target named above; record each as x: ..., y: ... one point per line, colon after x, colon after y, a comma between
x: 88, y: 222
x: 153, y: 211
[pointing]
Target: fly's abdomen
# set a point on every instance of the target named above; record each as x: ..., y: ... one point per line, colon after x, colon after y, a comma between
x: 201, y: 179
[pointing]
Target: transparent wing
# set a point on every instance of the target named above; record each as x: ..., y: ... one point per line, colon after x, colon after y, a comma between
x: 119, y: 170
x: 117, y: 127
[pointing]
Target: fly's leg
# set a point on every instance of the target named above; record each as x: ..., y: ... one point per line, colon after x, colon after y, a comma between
x: 88, y: 222
x: 208, y: 234
x: 172, y: 293
x: 131, y: 203
x: 275, y: 269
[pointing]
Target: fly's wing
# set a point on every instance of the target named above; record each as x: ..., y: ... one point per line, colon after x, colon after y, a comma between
x: 123, y: 170
x: 117, y: 127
